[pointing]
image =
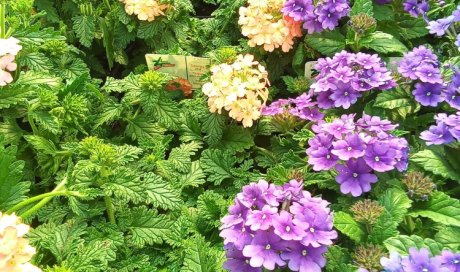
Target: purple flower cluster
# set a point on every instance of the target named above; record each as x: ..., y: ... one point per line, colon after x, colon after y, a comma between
x: 416, y: 7
x: 302, y: 107
x: 356, y: 150
x: 446, y: 130
x: 420, y: 260
x: 422, y: 65
x: 272, y: 226
x: 343, y: 78
x: 325, y: 15
x: 452, y: 91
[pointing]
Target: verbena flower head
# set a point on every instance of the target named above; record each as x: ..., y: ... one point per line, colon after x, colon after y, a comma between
x: 357, y: 150
x: 145, y: 10
x: 416, y: 8
x: 15, y: 251
x: 446, y: 130
x: 343, y: 78
x: 421, y: 260
x: 272, y: 226
x: 240, y: 88
x: 302, y: 107
x: 316, y: 18
x: 9, y: 48
x: 264, y: 24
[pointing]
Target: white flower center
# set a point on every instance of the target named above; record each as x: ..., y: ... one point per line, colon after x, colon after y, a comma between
x: 425, y: 270
x: 428, y: 93
x: 246, y: 261
x: 456, y: 261
x: 328, y: 156
x: 377, y: 158
x: 312, y: 229
x: 288, y: 229
x: 264, y: 216
x: 355, y: 175
x: 268, y: 246
x: 243, y: 229
x: 304, y: 252
x: 430, y: 74
x: 345, y: 93
x: 349, y: 148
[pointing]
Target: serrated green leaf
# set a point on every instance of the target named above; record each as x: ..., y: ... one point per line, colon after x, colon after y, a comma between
x: 348, y: 226
x: 147, y: 227
x: 198, y: 257
x: 383, y: 43
x: 362, y: 6
x: 449, y: 236
x: 93, y: 257
x: 440, y: 208
x: 213, y: 126
x: 12, y: 188
x: 217, y: 165
x: 403, y: 243
x: 160, y: 193
x: 327, y: 42
x: 85, y: 29
x: 236, y: 139
x: 435, y: 163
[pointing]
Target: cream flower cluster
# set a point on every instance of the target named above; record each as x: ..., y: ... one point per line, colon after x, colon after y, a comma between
x: 9, y: 48
x: 240, y: 88
x: 264, y: 24
x: 145, y: 10
x: 15, y: 251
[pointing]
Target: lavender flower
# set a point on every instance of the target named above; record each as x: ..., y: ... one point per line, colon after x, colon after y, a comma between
x: 452, y: 92
x: 428, y: 94
x: 343, y: 78
x: 446, y: 130
x: 439, y: 27
x: 294, y: 230
x: 421, y: 260
x: 355, y: 177
x: 357, y: 150
x: 301, y: 107
x: 416, y: 7
x: 422, y: 65
x: 325, y: 15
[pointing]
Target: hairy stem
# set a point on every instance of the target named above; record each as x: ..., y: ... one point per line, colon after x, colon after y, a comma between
x: 45, y: 200
x: 32, y: 124
x: 110, y: 210
x: 3, y: 21
x: 37, y: 198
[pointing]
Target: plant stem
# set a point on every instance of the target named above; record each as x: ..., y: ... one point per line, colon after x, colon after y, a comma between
x: 32, y: 124
x: 3, y: 21
x: 35, y: 199
x: 110, y: 210
x: 106, y: 2
x: 45, y: 200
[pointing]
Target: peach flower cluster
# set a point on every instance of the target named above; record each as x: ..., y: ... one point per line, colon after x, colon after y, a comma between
x: 9, y: 48
x: 240, y: 88
x: 264, y: 24
x: 15, y: 251
x: 145, y: 10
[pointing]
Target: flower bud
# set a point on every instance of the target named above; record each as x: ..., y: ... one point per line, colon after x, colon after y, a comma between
x: 368, y: 257
x: 418, y: 186
x: 366, y: 211
x: 362, y: 23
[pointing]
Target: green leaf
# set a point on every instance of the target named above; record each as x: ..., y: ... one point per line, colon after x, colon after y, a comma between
x: 396, y: 204
x: 85, y: 29
x: 327, y: 42
x: 411, y: 28
x: 440, y: 208
x: 65, y: 239
x: 362, y: 6
x: 338, y: 259
x: 142, y: 127
x: 12, y: 188
x: 36, y: 61
x: 213, y: 126
x: 13, y: 95
x: 383, y: 13
x: 198, y: 257
x: 217, y: 165
x: 403, y: 243
x: 147, y: 227
x: 435, y: 163
x: 41, y: 144
x: 194, y: 178
x: 36, y: 36
x: 348, y: 226
x: 160, y: 193
x: 93, y: 257
x: 383, y: 43
x: 236, y: 139
x: 398, y: 100
x: 166, y: 112
x: 449, y: 236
